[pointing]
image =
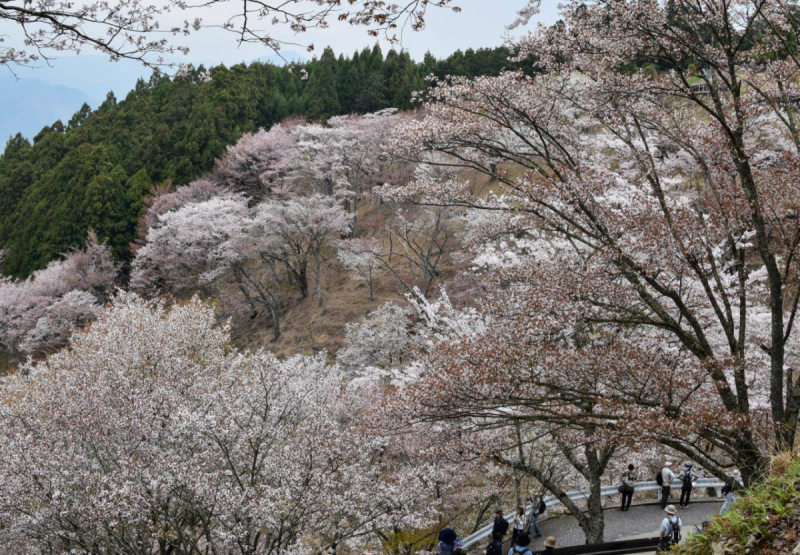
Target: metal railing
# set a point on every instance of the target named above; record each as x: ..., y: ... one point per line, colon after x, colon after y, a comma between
x: 605, y: 491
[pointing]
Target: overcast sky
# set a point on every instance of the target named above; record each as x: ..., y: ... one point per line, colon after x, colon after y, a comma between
x: 481, y: 23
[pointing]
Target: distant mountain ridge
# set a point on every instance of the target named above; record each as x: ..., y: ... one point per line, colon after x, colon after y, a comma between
x: 27, y: 105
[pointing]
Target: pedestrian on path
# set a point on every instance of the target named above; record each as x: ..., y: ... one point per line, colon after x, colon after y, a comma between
x: 500, y: 524
x: 664, y: 479
x: 728, y: 489
x: 523, y: 541
x: 495, y: 546
x: 517, y: 525
x: 687, y: 478
x: 626, y: 488
x: 539, y: 508
x: 670, y: 531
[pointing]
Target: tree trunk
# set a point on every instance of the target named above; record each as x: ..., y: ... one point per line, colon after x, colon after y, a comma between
x: 318, y: 277
x: 276, y: 323
x: 594, y: 526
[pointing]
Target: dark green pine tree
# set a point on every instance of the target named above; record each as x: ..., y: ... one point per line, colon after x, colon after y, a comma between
x: 402, y: 80
x: 79, y: 117
x: 107, y: 211
x: 322, y: 101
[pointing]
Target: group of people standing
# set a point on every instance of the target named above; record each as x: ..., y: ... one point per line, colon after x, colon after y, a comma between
x: 521, y: 527
x: 520, y: 531
x: 666, y: 477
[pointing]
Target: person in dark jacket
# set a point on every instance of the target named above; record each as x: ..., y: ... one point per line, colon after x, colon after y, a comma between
x: 687, y: 478
x: 628, y: 482
x: 523, y: 541
x: 500, y: 524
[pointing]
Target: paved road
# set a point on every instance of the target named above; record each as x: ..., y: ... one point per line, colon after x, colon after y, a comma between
x: 641, y: 521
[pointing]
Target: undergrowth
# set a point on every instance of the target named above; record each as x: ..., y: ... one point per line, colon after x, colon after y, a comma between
x: 764, y: 520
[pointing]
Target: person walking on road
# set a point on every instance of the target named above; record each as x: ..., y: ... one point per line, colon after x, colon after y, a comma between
x: 670, y: 531
x: 517, y: 525
x: 495, y: 546
x: 728, y: 489
x: 687, y: 478
x: 626, y: 488
x: 539, y: 508
x: 500, y: 524
x: 664, y: 479
x: 523, y: 541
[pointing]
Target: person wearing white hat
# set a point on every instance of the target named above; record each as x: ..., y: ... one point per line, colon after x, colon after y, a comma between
x: 667, y: 477
x: 670, y: 531
x: 727, y: 490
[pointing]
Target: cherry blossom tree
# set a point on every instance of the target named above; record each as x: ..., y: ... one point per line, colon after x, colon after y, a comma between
x: 417, y: 245
x: 258, y: 162
x: 380, y: 343
x: 668, y: 202
x: 164, y: 439
x: 168, y: 198
x: 38, y: 314
x: 361, y: 256
x: 299, y: 230
x: 346, y: 157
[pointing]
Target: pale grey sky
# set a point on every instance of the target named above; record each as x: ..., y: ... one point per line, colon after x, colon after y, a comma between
x: 481, y: 23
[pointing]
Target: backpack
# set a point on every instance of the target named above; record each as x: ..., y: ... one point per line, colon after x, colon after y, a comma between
x: 687, y: 479
x: 675, y: 531
x: 542, y: 507
x: 494, y: 548
x: 526, y: 552
x: 446, y: 548
x: 659, y: 479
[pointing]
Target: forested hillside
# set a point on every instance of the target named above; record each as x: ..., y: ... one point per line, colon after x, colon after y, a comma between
x: 94, y: 171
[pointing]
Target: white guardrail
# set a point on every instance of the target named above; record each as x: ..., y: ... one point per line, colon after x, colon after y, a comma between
x: 605, y: 491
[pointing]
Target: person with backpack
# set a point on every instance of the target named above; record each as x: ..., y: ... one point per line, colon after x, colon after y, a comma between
x: 539, y: 508
x: 495, y: 546
x: 500, y: 524
x: 664, y: 479
x: 521, y: 548
x: 626, y: 488
x: 687, y: 478
x: 449, y: 543
x: 728, y: 489
x: 670, y: 531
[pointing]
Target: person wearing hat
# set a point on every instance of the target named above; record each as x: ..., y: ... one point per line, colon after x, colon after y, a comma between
x: 448, y: 542
x: 549, y: 545
x: 667, y: 477
x: 727, y: 490
x: 500, y: 524
x: 687, y: 478
x: 670, y: 531
x: 521, y: 548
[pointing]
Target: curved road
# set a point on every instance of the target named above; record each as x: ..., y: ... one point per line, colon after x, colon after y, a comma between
x: 643, y: 520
